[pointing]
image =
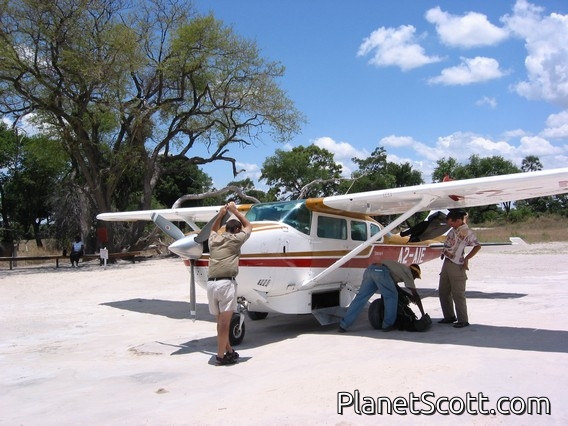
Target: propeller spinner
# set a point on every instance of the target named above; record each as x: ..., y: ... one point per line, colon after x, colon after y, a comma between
x: 187, y: 247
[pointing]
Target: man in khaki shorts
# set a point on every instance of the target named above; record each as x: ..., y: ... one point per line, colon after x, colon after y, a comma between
x: 224, y: 252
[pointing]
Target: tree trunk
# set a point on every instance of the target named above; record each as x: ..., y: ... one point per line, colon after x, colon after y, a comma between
x: 37, y: 235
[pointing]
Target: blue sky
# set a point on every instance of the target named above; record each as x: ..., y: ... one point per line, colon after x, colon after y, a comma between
x: 424, y: 79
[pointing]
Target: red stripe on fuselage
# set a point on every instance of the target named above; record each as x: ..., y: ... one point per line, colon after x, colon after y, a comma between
x: 406, y: 254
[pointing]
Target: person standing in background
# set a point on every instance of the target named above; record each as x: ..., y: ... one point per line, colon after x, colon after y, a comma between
x: 453, y: 275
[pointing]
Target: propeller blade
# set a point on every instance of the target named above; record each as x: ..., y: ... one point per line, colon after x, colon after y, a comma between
x: 192, y: 310
x: 167, y: 226
x: 206, y: 230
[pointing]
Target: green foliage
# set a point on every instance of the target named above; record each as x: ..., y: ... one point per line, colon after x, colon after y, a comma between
x: 371, y: 175
x: 178, y: 177
x: 531, y: 163
x: 121, y: 88
x: 31, y: 168
x: 375, y: 172
x: 288, y: 172
x: 445, y: 169
x: 519, y: 214
x: 476, y: 167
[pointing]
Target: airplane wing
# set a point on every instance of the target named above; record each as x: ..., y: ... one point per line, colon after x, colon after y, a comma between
x: 438, y: 196
x: 453, y: 194
x: 186, y: 214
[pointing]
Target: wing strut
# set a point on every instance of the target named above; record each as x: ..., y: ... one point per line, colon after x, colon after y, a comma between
x: 419, y: 206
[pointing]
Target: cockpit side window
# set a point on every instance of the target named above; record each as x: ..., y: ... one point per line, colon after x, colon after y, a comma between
x: 332, y: 227
x: 358, y: 231
x: 299, y: 218
x: 375, y: 229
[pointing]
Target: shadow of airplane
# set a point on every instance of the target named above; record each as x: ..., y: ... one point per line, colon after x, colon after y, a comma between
x: 275, y: 328
x: 278, y: 327
x: 488, y: 336
x: 180, y: 310
x: 167, y: 308
x: 472, y: 294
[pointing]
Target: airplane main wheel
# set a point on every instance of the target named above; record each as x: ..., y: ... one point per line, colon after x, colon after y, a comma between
x: 255, y: 316
x: 236, y: 331
x: 377, y: 313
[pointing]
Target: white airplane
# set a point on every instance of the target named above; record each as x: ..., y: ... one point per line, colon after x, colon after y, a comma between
x: 308, y: 256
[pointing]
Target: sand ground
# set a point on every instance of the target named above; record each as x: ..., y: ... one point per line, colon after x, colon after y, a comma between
x: 116, y: 346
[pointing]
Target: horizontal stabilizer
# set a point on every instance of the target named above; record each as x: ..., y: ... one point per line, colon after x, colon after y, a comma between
x: 518, y: 241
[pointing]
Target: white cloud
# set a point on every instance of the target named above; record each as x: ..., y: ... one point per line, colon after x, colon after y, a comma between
x: 490, y: 148
x: 395, y: 47
x: 249, y: 170
x: 546, y: 41
x: 397, y: 141
x: 422, y: 149
x: 470, y: 30
x: 26, y: 124
x: 557, y: 120
x: 535, y: 145
x: 515, y: 133
x: 514, y: 146
x: 490, y: 102
x: 556, y: 126
x: 471, y: 70
x: 287, y: 147
x: 343, y: 152
x: 427, y: 156
x: 462, y: 145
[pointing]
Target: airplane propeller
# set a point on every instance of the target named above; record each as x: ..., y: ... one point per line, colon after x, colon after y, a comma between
x: 187, y: 247
x: 206, y: 230
x: 168, y: 227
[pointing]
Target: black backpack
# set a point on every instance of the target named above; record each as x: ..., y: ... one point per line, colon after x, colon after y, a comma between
x: 406, y: 319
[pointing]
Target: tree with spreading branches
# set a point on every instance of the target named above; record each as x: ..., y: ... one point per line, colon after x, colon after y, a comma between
x: 124, y: 84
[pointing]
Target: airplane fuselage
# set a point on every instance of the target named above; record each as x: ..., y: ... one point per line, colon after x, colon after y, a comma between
x: 281, y: 256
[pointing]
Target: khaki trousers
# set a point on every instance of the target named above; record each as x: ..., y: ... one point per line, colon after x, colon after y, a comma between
x: 451, y: 291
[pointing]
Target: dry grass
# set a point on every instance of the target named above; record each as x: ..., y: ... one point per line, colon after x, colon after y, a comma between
x: 534, y: 230
x: 31, y: 249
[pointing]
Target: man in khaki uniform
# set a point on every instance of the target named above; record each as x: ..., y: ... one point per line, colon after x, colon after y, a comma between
x: 224, y: 252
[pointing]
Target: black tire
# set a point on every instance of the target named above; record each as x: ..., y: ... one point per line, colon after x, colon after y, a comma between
x: 255, y: 316
x: 376, y: 313
x: 236, y: 333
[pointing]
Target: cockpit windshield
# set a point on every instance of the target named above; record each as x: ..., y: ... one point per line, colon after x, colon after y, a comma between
x: 293, y: 213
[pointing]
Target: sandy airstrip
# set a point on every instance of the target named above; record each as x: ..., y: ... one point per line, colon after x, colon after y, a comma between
x: 115, y: 346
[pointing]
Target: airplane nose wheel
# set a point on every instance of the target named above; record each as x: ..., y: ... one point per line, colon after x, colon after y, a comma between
x: 237, y: 327
x: 237, y: 330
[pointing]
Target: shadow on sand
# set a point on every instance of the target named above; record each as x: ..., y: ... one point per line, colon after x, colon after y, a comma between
x: 167, y: 308
x: 278, y: 327
x: 433, y: 292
